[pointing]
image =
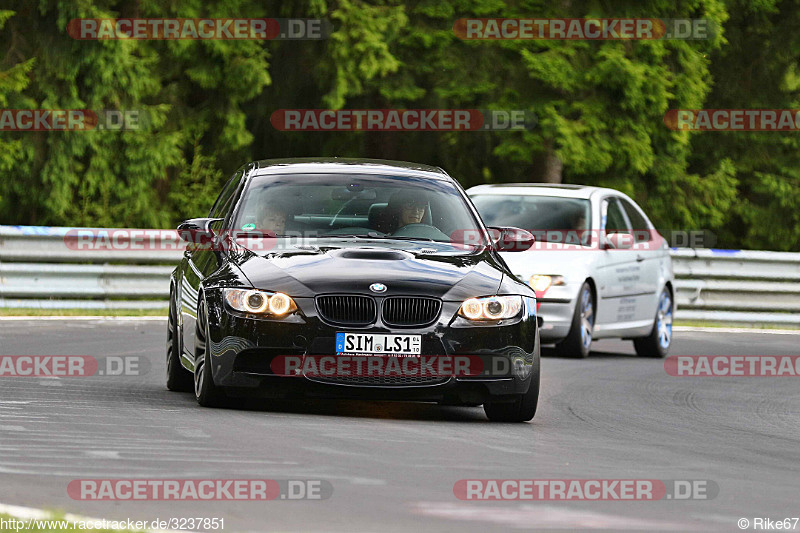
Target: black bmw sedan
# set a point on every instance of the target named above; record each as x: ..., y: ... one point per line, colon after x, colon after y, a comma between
x: 345, y: 278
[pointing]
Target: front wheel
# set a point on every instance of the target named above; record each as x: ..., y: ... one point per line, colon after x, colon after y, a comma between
x: 660, y: 339
x: 523, y: 407
x: 208, y: 394
x: 578, y: 343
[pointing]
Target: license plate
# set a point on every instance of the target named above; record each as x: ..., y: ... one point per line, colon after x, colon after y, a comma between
x: 372, y: 343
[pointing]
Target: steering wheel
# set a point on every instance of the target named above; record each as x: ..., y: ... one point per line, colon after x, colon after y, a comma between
x: 422, y: 231
x: 339, y: 212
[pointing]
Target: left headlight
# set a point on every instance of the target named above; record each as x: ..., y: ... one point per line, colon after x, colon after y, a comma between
x: 260, y: 302
x: 491, y: 308
x: 540, y: 283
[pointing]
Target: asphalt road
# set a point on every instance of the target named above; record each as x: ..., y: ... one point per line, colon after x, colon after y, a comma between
x: 393, y: 466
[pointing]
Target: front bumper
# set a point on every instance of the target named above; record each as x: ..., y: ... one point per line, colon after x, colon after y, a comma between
x: 556, y: 318
x: 242, y: 347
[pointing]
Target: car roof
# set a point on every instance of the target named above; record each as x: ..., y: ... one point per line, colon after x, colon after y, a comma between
x: 541, y: 189
x: 322, y: 165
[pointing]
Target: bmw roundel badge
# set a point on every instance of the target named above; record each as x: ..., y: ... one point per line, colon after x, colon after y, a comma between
x: 377, y: 287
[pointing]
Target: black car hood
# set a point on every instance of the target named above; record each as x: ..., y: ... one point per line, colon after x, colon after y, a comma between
x: 325, y: 270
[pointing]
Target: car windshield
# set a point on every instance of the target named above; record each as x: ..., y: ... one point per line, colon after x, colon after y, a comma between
x: 357, y: 207
x: 549, y: 218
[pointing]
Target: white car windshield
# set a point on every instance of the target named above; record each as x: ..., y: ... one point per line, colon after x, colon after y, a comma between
x: 551, y: 218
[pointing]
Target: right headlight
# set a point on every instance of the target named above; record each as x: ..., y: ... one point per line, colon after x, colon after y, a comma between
x: 260, y: 302
x: 491, y: 308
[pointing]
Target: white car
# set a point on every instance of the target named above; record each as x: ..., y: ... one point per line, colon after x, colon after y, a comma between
x: 599, y: 267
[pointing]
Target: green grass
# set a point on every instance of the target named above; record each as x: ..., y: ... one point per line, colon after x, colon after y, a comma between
x: 41, y: 525
x: 10, y: 311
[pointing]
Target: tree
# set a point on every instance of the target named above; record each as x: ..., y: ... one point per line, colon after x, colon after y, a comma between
x: 600, y: 106
x: 757, y: 69
x: 191, y: 92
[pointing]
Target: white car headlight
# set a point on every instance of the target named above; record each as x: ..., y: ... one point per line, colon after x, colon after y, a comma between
x: 491, y: 308
x: 259, y: 302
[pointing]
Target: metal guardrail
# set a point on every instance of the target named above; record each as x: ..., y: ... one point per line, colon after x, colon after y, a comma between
x: 44, y: 244
x: 50, y: 268
x: 739, y: 286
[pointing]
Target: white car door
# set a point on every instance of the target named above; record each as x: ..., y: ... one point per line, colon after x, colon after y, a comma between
x: 649, y: 254
x: 619, y: 273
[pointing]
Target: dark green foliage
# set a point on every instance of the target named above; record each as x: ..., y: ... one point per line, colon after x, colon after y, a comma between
x: 600, y: 106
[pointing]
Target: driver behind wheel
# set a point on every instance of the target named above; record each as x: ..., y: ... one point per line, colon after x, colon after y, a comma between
x: 405, y: 207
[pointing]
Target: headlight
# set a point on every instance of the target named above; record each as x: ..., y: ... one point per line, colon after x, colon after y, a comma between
x: 540, y: 283
x: 260, y: 302
x: 491, y: 308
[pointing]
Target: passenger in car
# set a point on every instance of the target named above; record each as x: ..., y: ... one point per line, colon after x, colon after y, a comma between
x: 579, y: 221
x: 578, y: 233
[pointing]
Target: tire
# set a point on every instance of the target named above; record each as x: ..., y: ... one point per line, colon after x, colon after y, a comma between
x: 178, y: 378
x: 208, y: 394
x: 658, y: 342
x: 578, y: 342
x: 523, y: 407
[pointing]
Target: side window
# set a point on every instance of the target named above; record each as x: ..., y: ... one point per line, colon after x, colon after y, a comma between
x: 641, y: 228
x: 615, y: 217
x: 223, y: 203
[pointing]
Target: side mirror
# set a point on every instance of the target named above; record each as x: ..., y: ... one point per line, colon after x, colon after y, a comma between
x: 197, y: 230
x: 511, y: 239
x: 618, y: 241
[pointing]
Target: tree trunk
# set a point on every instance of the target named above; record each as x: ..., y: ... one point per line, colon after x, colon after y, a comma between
x: 552, y: 166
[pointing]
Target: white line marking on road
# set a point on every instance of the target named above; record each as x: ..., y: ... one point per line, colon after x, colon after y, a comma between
x: 192, y: 433
x: 367, y: 481
x: 103, y: 454
x: 529, y: 517
x: 328, y: 451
